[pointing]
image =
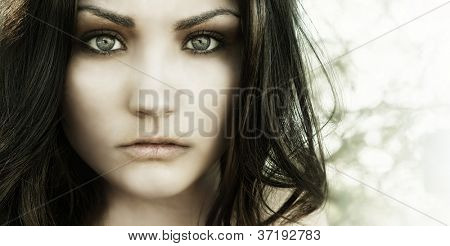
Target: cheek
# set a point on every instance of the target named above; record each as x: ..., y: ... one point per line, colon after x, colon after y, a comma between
x: 211, y: 82
x: 93, y: 104
x: 212, y: 87
x: 217, y: 73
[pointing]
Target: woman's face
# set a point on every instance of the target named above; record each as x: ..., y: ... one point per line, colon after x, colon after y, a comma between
x: 153, y: 71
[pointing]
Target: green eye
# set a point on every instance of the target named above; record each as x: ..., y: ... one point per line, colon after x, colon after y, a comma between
x: 105, y: 43
x: 203, y: 43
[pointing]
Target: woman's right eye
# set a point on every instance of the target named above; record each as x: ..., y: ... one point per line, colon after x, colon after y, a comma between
x: 104, y: 43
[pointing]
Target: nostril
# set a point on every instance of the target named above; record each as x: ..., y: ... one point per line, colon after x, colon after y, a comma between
x: 145, y: 113
x: 154, y: 113
x: 152, y: 103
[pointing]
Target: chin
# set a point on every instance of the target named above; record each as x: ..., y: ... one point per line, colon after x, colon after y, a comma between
x: 151, y: 182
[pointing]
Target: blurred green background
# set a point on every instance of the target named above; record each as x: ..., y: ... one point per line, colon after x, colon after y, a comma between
x: 388, y: 146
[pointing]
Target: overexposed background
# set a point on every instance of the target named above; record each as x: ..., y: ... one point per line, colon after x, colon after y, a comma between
x: 389, y: 155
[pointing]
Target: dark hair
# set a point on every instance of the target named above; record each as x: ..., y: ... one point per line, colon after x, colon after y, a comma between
x: 44, y: 182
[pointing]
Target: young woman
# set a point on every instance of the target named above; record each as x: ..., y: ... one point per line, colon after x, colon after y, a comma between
x: 157, y: 113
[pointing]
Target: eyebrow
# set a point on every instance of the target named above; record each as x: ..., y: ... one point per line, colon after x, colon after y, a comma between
x: 109, y: 15
x: 201, y: 18
x: 179, y: 25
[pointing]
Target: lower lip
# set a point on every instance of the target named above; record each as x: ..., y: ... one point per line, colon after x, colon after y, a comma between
x: 155, y: 151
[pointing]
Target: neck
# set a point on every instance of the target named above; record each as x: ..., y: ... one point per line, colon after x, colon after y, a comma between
x: 190, y: 207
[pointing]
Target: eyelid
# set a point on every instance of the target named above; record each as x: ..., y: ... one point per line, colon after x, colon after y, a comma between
x: 213, y: 34
x: 94, y: 33
x: 219, y: 37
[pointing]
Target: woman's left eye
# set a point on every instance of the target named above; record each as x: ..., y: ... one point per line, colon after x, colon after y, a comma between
x: 202, y: 43
x: 105, y: 43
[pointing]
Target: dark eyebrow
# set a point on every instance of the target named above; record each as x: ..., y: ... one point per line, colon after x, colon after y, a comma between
x: 109, y: 15
x: 198, y: 19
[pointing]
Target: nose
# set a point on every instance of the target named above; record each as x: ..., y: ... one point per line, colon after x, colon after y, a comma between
x: 154, y: 102
x: 153, y: 92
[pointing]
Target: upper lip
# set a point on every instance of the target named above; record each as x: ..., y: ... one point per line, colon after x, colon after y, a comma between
x: 155, y: 140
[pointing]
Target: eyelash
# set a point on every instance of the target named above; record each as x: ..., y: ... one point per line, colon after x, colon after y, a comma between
x: 94, y: 34
x: 203, y: 33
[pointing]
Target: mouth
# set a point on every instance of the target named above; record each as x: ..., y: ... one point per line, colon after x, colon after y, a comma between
x: 155, y: 149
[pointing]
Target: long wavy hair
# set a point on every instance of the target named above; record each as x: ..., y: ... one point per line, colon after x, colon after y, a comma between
x: 44, y: 182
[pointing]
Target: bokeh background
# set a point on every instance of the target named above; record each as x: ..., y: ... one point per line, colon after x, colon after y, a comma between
x: 388, y: 146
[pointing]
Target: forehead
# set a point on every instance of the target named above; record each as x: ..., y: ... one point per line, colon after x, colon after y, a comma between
x: 148, y: 10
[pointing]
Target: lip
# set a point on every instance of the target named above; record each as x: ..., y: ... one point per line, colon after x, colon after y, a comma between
x: 155, y: 148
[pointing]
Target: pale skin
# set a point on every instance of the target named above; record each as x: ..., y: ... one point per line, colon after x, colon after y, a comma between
x: 152, y: 45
